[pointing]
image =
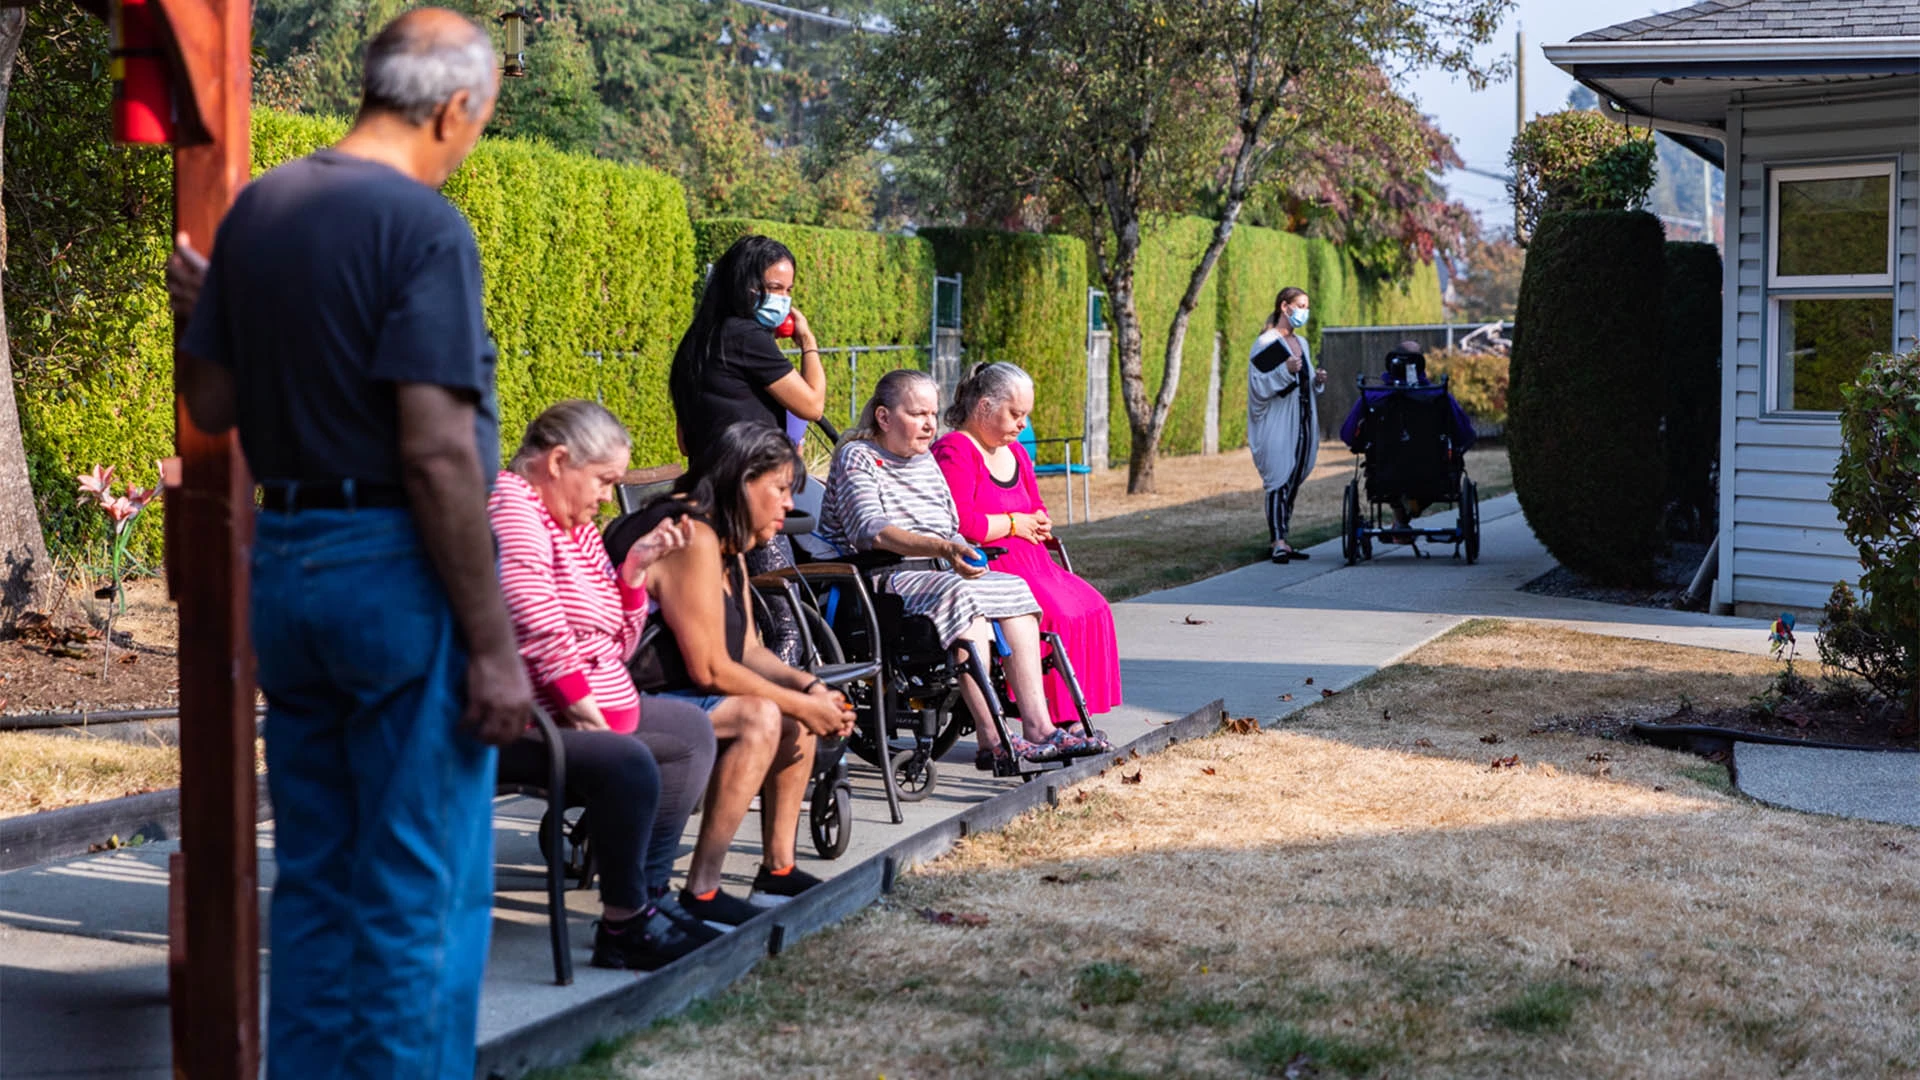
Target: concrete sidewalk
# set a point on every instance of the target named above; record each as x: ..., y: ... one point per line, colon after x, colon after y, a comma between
x: 1866, y: 784
x: 82, y: 942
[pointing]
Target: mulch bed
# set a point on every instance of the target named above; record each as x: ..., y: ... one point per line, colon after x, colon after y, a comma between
x: 58, y: 669
x: 1673, y: 572
x: 1810, y: 715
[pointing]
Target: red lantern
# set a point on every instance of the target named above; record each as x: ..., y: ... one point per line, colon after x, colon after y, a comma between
x: 142, y: 90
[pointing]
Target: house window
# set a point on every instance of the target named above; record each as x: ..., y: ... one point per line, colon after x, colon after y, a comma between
x: 1830, y: 259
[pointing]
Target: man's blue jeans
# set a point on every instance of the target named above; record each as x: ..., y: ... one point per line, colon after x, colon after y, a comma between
x: 382, y: 808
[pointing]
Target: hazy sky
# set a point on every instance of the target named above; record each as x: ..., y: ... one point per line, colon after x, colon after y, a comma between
x: 1482, y: 123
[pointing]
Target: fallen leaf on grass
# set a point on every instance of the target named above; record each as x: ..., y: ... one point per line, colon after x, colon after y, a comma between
x: 949, y: 918
x: 1328, y: 693
x: 1079, y: 796
x: 1236, y: 725
x: 1893, y: 846
x: 1134, y: 779
x: 1425, y: 744
x: 1599, y: 757
x: 1191, y: 621
x: 1579, y: 963
x: 1386, y: 714
x: 128, y: 658
x: 1492, y: 738
x: 1134, y: 754
x: 1209, y: 770
x: 1659, y: 787
x: 1509, y: 762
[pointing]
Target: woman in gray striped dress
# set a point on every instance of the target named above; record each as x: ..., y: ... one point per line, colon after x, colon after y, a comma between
x: 885, y: 492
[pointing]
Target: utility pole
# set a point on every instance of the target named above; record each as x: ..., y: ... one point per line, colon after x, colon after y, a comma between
x: 1519, y: 103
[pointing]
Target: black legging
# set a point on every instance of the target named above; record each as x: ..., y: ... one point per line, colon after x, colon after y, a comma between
x: 614, y: 776
x: 680, y: 736
x: 638, y: 791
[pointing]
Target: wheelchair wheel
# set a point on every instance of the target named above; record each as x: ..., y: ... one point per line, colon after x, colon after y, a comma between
x: 914, y: 773
x: 830, y: 818
x: 1350, y: 523
x: 826, y: 646
x: 953, y: 724
x: 1470, y: 519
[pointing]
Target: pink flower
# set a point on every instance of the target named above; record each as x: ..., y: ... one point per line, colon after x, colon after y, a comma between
x: 95, y: 485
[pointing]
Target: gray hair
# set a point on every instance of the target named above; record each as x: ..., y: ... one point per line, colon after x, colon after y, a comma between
x: 991, y: 385
x: 590, y: 433
x: 413, y: 66
x: 890, y: 391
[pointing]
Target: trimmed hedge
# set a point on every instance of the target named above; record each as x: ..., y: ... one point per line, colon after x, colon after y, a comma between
x: 856, y: 288
x: 1413, y: 302
x: 1162, y: 270
x: 1692, y: 365
x: 1587, y: 391
x: 1024, y: 300
x: 579, y: 255
x: 1257, y: 264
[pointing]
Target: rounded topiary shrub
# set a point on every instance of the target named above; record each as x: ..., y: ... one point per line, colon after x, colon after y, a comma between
x: 1586, y: 392
x: 1876, y: 488
x: 1691, y: 343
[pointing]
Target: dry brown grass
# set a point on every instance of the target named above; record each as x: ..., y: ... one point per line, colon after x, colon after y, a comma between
x: 1209, y: 517
x: 1363, y: 894
x: 46, y: 772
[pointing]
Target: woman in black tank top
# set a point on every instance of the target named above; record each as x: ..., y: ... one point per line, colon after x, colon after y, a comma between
x: 701, y: 645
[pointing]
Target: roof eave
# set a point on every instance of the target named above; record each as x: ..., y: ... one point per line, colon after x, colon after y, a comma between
x: 1733, y: 50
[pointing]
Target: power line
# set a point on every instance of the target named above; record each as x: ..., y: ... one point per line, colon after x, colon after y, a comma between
x: 809, y: 16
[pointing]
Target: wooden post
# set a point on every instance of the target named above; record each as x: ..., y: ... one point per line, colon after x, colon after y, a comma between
x: 216, y: 996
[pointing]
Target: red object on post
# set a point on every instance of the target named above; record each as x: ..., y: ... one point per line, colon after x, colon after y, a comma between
x: 142, y: 87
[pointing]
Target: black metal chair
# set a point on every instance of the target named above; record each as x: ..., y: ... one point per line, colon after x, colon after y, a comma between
x: 552, y: 841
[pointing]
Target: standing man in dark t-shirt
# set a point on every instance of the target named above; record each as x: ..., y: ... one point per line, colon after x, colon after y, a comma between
x: 339, y: 327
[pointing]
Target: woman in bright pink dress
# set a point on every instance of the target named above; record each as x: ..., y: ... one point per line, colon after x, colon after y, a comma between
x: 993, y: 488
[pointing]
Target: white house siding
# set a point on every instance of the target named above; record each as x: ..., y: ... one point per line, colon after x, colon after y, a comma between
x: 1786, y: 547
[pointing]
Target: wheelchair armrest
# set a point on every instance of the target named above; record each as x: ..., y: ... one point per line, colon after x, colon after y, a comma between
x: 990, y: 551
x: 1059, y: 552
x: 838, y: 675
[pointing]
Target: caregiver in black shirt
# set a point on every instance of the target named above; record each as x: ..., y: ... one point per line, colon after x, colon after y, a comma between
x: 728, y: 366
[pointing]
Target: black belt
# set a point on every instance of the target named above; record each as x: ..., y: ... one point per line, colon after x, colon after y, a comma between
x: 289, y: 496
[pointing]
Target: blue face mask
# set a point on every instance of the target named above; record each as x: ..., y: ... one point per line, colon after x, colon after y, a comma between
x: 1297, y: 317
x: 773, y: 311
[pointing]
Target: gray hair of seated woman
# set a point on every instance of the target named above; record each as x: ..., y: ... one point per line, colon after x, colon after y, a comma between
x: 986, y: 386
x: 888, y: 393
x: 590, y: 433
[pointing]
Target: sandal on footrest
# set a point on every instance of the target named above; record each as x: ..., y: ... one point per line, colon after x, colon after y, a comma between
x: 1046, y: 750
x: 1073, y: 745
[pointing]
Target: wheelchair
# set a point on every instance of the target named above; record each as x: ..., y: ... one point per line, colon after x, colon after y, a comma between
x: 1408, y: 450
x: 913, y: 713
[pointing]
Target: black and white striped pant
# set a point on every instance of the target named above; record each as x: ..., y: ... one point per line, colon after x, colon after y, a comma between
x: 1280, y: 511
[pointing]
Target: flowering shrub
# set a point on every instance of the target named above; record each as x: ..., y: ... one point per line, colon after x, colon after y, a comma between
x: 1578, y: 160
x: 1876, y: 488
x: 1478, y: 380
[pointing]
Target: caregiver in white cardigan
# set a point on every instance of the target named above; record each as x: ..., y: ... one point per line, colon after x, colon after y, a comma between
x: 1282, y: 426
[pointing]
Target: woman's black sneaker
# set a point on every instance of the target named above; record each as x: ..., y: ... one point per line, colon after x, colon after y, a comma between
x: 646, y: 942
x: 721, y: 911
x: 772, y: 890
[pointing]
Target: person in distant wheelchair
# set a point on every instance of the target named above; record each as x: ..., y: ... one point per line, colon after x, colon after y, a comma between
x: 1406, y: 368
x: 998, y: 500
x: 577, y: 618
x: 885, y: 492
x: 703, y: 647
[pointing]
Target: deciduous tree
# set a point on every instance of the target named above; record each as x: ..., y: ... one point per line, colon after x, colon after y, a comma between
x: 1120, y: 107
x: 26, y: 574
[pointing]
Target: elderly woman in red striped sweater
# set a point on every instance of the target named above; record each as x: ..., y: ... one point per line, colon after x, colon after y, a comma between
x: 636, y: 763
